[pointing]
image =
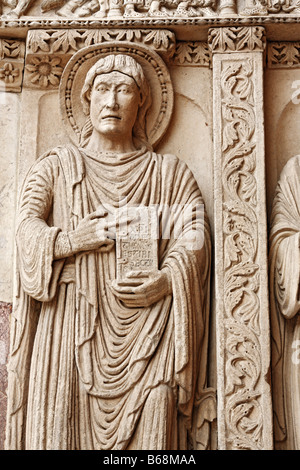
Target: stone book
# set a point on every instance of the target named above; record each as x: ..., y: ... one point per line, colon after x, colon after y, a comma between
x: 137, y: 245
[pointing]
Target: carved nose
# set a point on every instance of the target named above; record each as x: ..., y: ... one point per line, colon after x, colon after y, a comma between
x: 112, y: 102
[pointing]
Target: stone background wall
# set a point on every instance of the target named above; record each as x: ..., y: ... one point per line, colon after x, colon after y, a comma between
x: 5, y: 311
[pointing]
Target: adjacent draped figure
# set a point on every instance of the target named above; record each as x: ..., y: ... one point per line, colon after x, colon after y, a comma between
x: 83, y: 366
x: 285, y: 307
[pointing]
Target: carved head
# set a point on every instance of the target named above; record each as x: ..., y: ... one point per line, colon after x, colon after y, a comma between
x: 128, y: 66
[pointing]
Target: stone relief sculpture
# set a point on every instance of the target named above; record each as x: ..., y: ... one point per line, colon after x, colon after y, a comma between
x: 114, y: 8
x: 285, y: 306
x: 265, y: 7
x: 98, y: 361
x: 244, y: 395
x: 103, y: 9
x: 16, y: 7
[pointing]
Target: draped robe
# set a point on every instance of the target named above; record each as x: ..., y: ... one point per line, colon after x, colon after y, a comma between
x: 285, y: 306
x: 82, y: 364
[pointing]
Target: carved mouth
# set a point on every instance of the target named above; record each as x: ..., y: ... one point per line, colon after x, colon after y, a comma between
x: 112, y: 117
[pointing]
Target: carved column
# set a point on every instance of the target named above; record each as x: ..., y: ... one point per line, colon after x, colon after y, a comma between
x: 243, y: 356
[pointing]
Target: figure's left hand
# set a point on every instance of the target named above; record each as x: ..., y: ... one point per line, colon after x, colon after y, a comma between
x: 142, y: 289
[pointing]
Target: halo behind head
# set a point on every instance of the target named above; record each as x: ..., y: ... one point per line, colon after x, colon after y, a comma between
x: 144, y: 65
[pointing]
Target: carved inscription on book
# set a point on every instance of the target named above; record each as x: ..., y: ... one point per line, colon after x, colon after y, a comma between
x: 137, y: 244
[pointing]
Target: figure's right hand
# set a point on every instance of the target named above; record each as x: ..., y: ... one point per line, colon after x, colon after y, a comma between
x: 92, y: 233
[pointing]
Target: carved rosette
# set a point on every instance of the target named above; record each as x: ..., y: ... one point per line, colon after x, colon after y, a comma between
x: 241, y: 241
x: 11, y: 64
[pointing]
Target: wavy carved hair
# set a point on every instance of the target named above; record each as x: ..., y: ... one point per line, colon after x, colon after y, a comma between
x: 129, y: 66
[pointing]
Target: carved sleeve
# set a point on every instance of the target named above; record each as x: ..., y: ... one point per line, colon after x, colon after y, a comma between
x: 287, y: 276
x: 35, y: 237
x: 62, y: 247
x: 284, y: 240
x: 188, y: 261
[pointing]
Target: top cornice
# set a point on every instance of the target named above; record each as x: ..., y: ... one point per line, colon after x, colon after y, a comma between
x: 190, y: 19
x: 197, y: 26
x: 42, y: 21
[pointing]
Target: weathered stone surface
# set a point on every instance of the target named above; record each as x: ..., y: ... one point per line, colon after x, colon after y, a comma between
x: 149, y: 328
x: 9, y: 128
x: 226, y: 103
x: 5, y: 311
x: 244, y: 394
x: 284, y: 296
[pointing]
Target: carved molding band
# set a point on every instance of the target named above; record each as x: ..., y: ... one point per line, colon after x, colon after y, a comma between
x: 25, y: 23
x: 192, y: 53
x: 283, y: 55
x: 71, y: 40
x: 48, y: 51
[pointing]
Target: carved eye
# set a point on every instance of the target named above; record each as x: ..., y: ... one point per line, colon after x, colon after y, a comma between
x: 102, y: 88
x: 123, y: 89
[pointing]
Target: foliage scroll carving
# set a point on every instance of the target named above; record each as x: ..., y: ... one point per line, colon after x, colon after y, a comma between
x: 241, y: 282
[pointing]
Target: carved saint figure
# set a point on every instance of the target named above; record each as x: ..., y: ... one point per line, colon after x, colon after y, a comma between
x: 285, y: 306
x: 97, y: 363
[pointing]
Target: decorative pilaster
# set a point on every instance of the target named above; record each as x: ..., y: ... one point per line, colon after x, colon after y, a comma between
x: 243, y: 357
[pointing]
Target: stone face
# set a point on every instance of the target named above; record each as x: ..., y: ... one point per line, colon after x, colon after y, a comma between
x: 224, y: 78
